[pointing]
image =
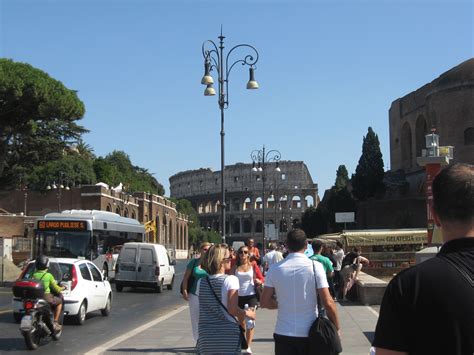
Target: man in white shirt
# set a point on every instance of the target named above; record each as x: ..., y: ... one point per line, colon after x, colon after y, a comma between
x: 292, y: 281
x: 338, y: 256
x: 272, y: 257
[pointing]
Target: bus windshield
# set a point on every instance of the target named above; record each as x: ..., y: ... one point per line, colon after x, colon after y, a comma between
x: 61, y: 244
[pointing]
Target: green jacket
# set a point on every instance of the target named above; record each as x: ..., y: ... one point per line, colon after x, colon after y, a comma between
x: 48, y: 281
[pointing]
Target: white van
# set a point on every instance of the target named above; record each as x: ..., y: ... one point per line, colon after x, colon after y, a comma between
x: 144, y: 265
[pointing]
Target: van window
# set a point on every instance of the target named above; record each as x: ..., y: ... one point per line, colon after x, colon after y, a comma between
x: 85, y: 272
x: 128, y: 255
x: 146, y: 256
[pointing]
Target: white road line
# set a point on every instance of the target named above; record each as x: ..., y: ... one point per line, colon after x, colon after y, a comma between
x: 373, y: 311
x: 5, y: 311
x: 104, y: 347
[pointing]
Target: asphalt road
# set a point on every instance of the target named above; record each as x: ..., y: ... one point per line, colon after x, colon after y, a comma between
x: 130, y: 309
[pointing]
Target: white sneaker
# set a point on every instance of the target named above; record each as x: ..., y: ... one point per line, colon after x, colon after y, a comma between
x: 248, y: 350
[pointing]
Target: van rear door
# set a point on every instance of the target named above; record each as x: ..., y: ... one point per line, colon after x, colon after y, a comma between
x: 146, y: 264
x: 128, y: 263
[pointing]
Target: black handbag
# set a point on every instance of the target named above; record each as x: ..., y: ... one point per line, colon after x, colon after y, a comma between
x: 190, y: 279
x: 323, y: 336
x: 243, y: 340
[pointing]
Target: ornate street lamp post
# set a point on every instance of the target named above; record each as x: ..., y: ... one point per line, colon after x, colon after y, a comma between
x: 261, y: 157
x: 58, y: 188
x: 214, y: 59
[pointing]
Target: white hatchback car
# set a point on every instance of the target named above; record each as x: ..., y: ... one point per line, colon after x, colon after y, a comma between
x: 86, y: 289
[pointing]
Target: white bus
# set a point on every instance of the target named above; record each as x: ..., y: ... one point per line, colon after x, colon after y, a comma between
x: 89, y: 234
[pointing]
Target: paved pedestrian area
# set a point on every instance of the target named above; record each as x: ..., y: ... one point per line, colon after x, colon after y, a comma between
x: 173, y: 335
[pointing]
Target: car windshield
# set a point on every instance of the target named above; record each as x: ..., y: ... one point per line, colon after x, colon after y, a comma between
x: 62, y: 244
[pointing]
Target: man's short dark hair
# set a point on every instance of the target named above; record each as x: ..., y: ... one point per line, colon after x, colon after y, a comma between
x: 339, y: 244
x: 317, y: 245
x: 296, y: 240
x: 453, y: 193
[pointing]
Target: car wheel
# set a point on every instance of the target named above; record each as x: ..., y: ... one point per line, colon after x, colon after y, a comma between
x: 17, y: 317
x: 170, y: 286
x: 80, y: 317
x: 118, y: 287
x: 105, y: 272
x: 106, y: 311
x: 159, y: 286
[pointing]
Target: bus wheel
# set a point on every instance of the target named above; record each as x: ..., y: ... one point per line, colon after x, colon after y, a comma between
x: 105, y: 272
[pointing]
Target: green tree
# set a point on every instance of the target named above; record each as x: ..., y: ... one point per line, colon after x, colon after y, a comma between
x: 342, y: 178
x: 38, y: 117
x: 85, y: 150
x: 117, y: 168
x: 367, y: 182
x: 314, y: 222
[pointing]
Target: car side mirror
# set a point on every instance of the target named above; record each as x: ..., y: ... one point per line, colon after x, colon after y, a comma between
x: 173, y: 262
x: 66, y: 277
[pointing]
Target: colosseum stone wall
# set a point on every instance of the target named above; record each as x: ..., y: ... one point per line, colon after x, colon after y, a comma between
x: 287, y: 194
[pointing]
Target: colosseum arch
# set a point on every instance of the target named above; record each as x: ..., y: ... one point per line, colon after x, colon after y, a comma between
x: 309, y: 201
x: 247, y: 205
x: 235, y: 205
x: 200, y: 208
x: 208, y: 207
x: 258, y: 226
x: 296, y: 202
x: 406, y: 145
x: 216, y: 206
x: 236, y: 226
x: 125, y: 213
x: 283, y: 202
x: 271, y: 201
x: 469, y: 136
x: 258, y: 203
x: 117, y: 210
x: 247, y: 226
x: 108, y: 208
x: 134, y: 216
x: 420, y: 131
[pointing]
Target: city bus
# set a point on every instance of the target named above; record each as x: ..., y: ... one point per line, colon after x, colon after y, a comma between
x: 86, y: 234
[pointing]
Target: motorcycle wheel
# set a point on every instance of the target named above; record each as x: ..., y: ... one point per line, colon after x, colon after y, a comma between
x: 32, y: 338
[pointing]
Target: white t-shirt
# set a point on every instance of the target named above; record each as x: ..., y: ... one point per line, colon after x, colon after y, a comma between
x: 272, y: 257
x: 338, y: 256
x: 294, y: 283
x: 231, y: 282
x: 247, y: 286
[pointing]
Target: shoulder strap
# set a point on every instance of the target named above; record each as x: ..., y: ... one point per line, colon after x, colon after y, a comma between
x: 315, y: 282
x: 217, y: 298
x: 457, y: 264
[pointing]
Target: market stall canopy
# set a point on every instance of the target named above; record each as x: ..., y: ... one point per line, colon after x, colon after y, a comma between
x: 371, y: 237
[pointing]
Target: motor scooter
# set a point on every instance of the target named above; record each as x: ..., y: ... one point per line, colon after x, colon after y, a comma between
x: 37, y: 322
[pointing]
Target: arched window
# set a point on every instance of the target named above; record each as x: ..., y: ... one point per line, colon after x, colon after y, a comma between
x: 420, y: 132
x: 236, y: 226
x: 247, y: 226
x: 117, y: 210
x: 309, y: 201
x: 469, y: 136
x: 406, y: 144
x: 247, y: 204
x: 296, y: 202
x: 258, y: 227
x: 133, y: 215
x: 258, y: 203
x: 271, y: 201
x: 108, y: 208
x: 283, y: 204
x: 125, y: 213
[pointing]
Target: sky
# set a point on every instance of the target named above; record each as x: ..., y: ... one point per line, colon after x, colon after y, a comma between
x: 327, y: 71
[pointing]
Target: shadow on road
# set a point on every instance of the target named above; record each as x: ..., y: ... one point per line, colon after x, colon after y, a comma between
x: 160, y: 350
x: 12, y: 344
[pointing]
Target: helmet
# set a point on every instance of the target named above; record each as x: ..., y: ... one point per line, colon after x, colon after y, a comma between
x: 41, y: 262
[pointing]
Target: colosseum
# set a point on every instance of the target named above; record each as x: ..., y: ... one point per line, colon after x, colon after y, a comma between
x: 287, y: 194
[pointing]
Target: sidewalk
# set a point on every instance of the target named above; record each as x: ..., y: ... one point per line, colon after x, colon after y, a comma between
x: 173, y: 335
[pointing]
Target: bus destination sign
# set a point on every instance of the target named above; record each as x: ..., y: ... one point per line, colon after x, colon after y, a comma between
x: 62, y: 225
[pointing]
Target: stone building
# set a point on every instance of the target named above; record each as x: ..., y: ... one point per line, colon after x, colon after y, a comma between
x: 172, y: 226
x: 447, y: 104
x: 287, y: 194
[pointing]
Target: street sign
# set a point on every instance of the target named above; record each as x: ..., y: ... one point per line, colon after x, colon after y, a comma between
x: 345, y: 217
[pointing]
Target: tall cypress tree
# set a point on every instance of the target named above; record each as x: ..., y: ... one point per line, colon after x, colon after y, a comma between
x: 367, y: 181
x: 342, y: 178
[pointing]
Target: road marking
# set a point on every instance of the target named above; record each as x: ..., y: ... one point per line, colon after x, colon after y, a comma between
x: 6, y: 292
x: 104, y: 347
x: 5, y: 311
x: 373, y: 311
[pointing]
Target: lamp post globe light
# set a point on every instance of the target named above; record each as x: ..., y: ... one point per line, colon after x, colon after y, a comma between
x: 215, y: 59
x: 260, y: 158
x: 59, y: 187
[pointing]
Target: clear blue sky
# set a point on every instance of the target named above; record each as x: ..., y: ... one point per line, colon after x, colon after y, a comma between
x: 327, y: 71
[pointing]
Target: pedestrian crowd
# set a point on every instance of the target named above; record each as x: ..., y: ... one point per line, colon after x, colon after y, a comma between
x: 426, y: 309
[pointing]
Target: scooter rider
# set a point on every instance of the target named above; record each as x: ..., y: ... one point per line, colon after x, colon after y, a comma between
x: 49, y: 283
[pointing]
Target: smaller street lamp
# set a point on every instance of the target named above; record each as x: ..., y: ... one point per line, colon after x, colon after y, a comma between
x: 59, y: 187
x: 260, y: 159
